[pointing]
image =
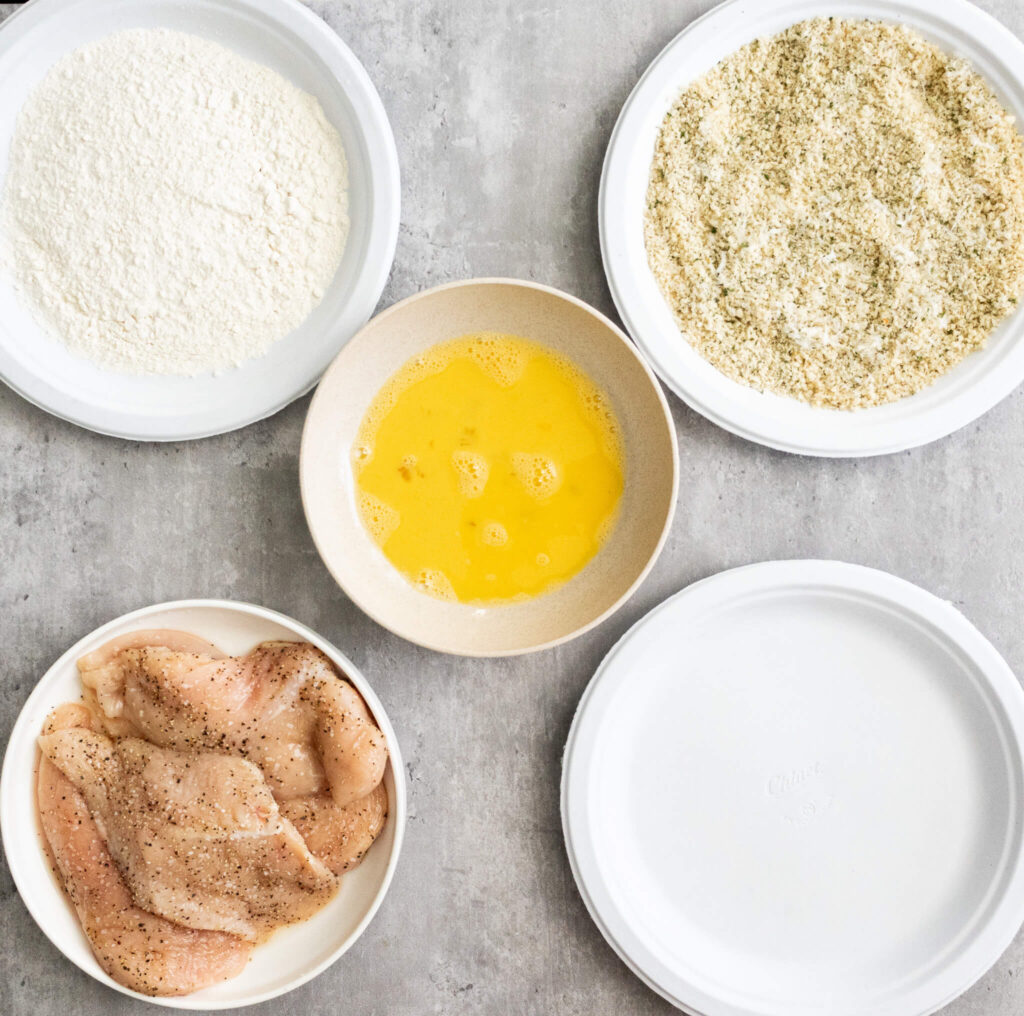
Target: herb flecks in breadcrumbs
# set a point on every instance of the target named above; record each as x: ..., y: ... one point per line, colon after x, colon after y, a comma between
x: 836, y: 213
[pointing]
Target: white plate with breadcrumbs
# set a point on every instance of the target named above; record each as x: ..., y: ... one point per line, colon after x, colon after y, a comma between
x: 956, y: 399
x: 290, y: 39
x: 796, y: 788
x: 292, y: 955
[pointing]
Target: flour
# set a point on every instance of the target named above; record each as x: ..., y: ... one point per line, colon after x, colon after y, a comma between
x: 170, y: 207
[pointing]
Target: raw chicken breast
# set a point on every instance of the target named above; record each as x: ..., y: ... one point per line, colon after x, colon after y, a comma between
x: 339, y: 836
x: 283, y: 706
x: 143, y: 952
x: 197, y: 836
x: 163, y: 638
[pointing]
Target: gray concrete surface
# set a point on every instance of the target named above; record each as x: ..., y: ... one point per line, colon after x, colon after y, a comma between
x: 501, y: 110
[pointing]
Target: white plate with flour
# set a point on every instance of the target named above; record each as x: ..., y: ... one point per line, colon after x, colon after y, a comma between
x: 292, y: 955
x: 289, y: 39
x: 969, y: 390
x: 796, y: 787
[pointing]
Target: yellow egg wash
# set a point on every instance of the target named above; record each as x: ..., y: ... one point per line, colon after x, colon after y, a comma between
x: 489, y: 468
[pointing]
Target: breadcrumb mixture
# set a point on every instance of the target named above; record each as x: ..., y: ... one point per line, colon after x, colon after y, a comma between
x: 836, y: 213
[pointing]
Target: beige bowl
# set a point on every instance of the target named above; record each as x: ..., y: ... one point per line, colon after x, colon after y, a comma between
x: 410, y: 327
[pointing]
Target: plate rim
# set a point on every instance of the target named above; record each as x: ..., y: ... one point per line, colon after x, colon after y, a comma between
x: 837, y: 576
x: 936, y: 422
x: 398, y: 810
x: 373, y: 123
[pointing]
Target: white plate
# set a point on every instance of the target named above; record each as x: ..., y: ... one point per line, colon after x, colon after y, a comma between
x: 796, y: 788
x: 961, y: 396
x: 292, y: 40
x: 293, y: 955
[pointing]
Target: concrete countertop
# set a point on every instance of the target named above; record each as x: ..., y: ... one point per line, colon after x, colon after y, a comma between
x: 501, y: 110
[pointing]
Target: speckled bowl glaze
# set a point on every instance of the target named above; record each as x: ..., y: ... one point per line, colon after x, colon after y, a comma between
x: 560, y: 322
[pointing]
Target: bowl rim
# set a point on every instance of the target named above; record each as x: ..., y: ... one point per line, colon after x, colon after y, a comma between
x: 370, y: 121
x: 11, y: 771
x: 439, y: 645
x: 766, y: 418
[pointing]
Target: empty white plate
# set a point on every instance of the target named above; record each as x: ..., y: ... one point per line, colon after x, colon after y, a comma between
x: 962, y: 395
x: 796, y: 788
x: 292, y: 955
x: 284, y: 35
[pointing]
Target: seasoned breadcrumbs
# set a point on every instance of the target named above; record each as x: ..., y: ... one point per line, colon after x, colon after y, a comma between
x: 836, y: 213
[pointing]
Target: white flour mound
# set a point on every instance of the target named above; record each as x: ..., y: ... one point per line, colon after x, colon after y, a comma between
x: 170, y: 207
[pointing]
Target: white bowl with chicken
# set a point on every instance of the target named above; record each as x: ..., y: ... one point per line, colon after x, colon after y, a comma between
x: 211, y: 811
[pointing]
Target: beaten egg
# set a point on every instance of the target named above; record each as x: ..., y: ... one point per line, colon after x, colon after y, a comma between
x: 489, y: 468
